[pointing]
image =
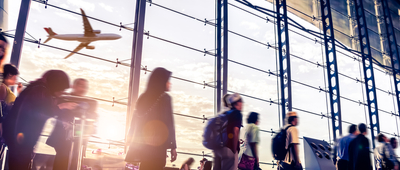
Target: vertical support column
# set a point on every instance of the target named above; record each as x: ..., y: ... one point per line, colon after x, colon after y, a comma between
x: 368, y: 69
x: 219, y: 55
x: 393, y: 49
x: 136, y: 61
x: 332, y: 68
x: 20, y: 32
x: 225, y: 57
x: 284, y: 57
x: 352, y: 23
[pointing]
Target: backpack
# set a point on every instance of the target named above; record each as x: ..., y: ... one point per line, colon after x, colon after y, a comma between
x: 279, y: 145
x: 215, y: 133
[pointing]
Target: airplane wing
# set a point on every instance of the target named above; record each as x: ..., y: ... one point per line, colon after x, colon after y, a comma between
x: 86, y: 25
x: 80, y: 46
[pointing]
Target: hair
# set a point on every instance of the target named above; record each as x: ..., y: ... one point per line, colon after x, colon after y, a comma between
x: 76, y: 81
x: 53, y: 80
x: 362, y: 128
x: 2, y: 38
x: 188, y: 162
x: 253, y: 117
x: 225, y: 98
x: 291, y: 118
x: 207, y: 165
x: 9, y: 70
x: 381, y: 137
x: 156, y: 86
x: 352, y: 128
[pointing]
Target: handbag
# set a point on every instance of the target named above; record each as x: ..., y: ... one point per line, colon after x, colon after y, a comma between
x: 247, y: 162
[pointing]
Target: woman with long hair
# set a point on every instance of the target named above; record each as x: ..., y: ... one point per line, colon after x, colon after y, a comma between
x: 152, y: 129
x: 32, y: 108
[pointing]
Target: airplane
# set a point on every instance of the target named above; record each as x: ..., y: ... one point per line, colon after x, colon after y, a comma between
x: 89, y: 36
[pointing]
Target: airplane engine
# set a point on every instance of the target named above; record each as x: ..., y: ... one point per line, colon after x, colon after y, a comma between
x: 96, y: 31
x: 90, y: 47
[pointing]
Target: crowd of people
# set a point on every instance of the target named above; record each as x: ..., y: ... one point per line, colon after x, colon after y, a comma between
x: 152, y: 132
x: 353, y: 151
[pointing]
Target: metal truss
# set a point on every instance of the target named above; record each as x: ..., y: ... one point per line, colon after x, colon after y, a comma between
x: 367, y: 69
x: 332, y: 68
x: 393, y: 49
x: 284, y: 57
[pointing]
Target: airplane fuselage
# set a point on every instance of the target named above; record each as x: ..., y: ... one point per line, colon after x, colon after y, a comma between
x: 83, y: 38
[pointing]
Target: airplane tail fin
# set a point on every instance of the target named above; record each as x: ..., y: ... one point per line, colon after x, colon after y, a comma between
x: 50, y: 31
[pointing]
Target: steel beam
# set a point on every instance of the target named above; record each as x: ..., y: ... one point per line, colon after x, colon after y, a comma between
x: 284, y: 57
x: 136, y: 61
x: 20, y: 32
x: 225, y: 49
x: 393, y: 49
x: 219, y: 54
x: 332, y: 68
x: 367, y: 69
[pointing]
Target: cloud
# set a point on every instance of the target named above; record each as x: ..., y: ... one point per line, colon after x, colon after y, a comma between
x: 64, y: 6
x: 198, y: 72
x: 36, y: 6
x: 269, y: 37
x: 251, y: 25
x: 106, y: 7
x: 254, y: 87
x: 82, y: 4
x: 67, y: 16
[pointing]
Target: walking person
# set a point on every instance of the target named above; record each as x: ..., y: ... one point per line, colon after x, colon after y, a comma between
x: 385, y: 158
x: 394, y: 144
x: 152, y: 129
x: 10, y: 75
x: 62, y: 137
x: 24, y: 123
x: 342, y: 148
x: 359, y: 155
x: 7, y: 97
x: 292, y: 159
x: 226, y: 158
x: 252, y: 140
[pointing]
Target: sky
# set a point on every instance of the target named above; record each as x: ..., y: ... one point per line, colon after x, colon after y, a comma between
x: 107, y: 81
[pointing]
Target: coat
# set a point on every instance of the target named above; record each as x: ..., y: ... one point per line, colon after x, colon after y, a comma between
x: 25, y: 122
x: 359, y: 154
x: 153, y: 131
